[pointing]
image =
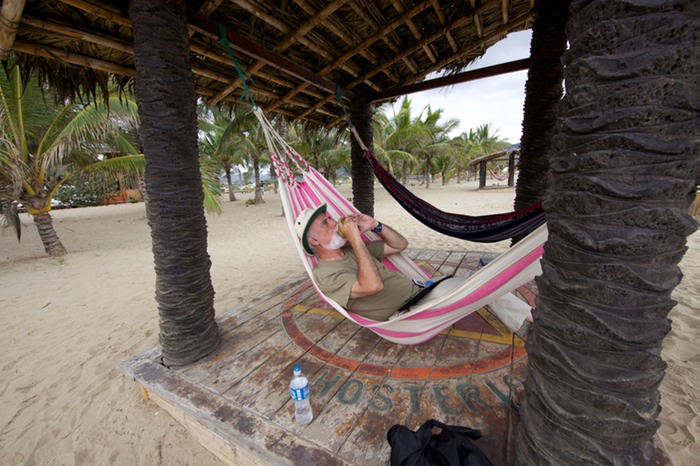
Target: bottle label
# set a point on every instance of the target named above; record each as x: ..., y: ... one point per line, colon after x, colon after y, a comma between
x: 299, y: 394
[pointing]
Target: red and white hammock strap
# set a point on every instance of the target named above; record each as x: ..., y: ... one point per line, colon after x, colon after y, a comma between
x: 512, y: 269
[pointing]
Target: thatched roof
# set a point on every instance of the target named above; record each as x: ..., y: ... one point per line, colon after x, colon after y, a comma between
x: 300, y: 53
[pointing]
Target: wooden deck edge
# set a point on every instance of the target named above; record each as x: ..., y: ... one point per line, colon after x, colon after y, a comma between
x: 235, y: 435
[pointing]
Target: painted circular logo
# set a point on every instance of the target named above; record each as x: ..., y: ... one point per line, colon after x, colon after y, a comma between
x: 478, y: 343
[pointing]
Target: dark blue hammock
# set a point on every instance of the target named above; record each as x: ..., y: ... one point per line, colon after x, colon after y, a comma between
x: 481, y: 229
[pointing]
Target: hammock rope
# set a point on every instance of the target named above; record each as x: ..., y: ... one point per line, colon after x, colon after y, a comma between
x: 306, y: 188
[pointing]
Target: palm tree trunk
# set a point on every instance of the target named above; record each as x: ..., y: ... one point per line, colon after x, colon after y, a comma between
x: 47, y: 233
x: 166, y: 97
x: 229, y: 181
x: 543, y: 91
x: 258, y: 185
x: 360, y: 170
x: 624, y: 160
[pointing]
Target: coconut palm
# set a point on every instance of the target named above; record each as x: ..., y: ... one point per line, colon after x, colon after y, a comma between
x: 436, y: 141
x: 184, y: 292
x: 396, y: 138
x: 543, y: 91
x: 38, y: 141
x: 248, y: 136
x: 617, y: 217
x: 222, y: 139
x: 445, y: 165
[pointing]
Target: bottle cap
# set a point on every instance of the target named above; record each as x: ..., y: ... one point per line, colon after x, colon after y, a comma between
x: 297, y: 368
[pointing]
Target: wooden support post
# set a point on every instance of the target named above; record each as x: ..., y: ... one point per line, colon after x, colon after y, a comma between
x: 362, y: 175
x: 482, y: 174
x: 511, y: 169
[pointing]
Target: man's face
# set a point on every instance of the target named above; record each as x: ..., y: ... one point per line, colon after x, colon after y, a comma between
x: 324, y: 232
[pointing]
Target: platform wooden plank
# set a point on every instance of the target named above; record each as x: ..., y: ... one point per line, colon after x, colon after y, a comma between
x: 234, y: 434
x: 236, y: 402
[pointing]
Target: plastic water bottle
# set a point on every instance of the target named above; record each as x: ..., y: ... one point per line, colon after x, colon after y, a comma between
x: 300, y: 394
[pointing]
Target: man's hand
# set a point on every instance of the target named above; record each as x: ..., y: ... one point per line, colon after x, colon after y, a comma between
x: 350, y: 229
x: 364, y: 222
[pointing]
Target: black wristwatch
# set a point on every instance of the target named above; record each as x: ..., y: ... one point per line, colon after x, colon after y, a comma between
x: 378, y: 228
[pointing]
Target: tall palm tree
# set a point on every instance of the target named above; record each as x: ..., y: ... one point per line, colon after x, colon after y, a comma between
x: 617, y: 217
x: 248, y: 135
x: 223, y: 152
x: 436, y: 141
x: 327, y: 150
x: 38, y: 141
x: 543, y: 91
x: 396, y: 139
x: 167, y: 108
x: 445, y: 165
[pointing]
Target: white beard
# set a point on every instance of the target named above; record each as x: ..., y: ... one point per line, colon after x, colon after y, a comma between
x: 336, y: 242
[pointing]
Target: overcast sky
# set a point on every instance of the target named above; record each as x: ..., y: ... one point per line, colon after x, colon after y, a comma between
x: 497, y: 100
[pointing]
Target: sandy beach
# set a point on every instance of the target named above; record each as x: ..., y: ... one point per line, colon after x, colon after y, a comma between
x: 67, y: 322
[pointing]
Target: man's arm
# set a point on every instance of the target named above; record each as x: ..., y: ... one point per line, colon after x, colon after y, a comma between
x: 368, y: 280
x: 394, y: 242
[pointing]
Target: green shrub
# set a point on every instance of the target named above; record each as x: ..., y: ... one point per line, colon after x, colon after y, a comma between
x: 82, y: 193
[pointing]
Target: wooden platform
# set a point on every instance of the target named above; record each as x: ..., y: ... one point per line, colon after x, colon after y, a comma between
x: 237, y: 402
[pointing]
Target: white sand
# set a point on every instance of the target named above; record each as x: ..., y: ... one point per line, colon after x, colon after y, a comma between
x: 68, y: 322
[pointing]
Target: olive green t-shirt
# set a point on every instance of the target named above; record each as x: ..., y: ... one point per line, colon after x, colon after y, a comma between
x: 336, y: 278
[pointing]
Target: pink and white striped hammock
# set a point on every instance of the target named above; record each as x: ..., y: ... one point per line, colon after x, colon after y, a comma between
x: 305, y: 187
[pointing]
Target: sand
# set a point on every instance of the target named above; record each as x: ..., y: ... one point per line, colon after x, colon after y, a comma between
x: 68, y: 322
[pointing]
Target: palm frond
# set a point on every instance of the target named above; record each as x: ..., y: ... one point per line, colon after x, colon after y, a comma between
x: 134, y: 164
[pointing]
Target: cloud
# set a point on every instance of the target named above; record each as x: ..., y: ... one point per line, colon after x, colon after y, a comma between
x: 497, y: 100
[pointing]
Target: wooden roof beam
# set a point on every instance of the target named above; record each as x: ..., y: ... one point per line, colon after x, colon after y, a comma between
x: 209, y: 7
x: 210, y: 29
x: 72, y: 58
x: 78, y: 34
x: 441, y: 17
x: 290, y: 40
x: 342, y: 32
x: 414, y: 30
x: 458, y: 22
x: 451, y: 80
x: 99, y: 11
x: 362, y: 45
x: 10, y: 15
x: 273, y: 21
x: 383, y: 33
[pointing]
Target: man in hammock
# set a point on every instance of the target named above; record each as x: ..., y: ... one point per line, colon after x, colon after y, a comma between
x: 350, y: 271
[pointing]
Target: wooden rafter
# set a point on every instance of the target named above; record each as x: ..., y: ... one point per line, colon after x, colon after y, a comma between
x: 451, y: 80
x: 332, y: 24
x: 458, y: 22
x: 377, y: 47
x: 441, y: 17
x: 362, y: 45
x: 414, y: 30
x: 78, y: 34
x: 72, y: 58
x: 359, y: 11
x: 273, y: 21
x: 99, y: 11
x: 290, y: 40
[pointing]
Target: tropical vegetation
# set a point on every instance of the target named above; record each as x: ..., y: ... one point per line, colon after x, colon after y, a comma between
x: 41, y: 146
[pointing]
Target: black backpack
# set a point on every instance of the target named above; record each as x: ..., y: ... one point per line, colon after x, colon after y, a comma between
x: 451, y: 447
